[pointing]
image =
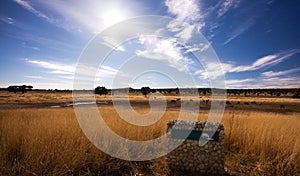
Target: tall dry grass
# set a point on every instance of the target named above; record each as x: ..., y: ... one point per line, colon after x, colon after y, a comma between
x: 262, y: 143
x: 50, y: 142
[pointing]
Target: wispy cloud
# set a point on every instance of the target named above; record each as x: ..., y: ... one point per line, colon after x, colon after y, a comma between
x: 240, y: 30
x: 34, y: 77
x: 54, y: 67
x: 197, y: 47
x: 268, y: 60
x: 210, y: 72
x: 24, y: 45
x: 283, y: 78
x: 58, y: 21
x: 281, y: 73
x: 227, y: 5
x: 61, y: 72
x: 279, y: 82
x: 239, y: 83
x: 7, y: 20
x: 50, y: 43
x: 260, y: 82
x: 26, y: 5
x: 66, y: 70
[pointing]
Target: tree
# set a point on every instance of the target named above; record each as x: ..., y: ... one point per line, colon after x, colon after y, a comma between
x: 145, y: 90
x: 297, y: 94
x: 101, y: 90
x: 22, y: 88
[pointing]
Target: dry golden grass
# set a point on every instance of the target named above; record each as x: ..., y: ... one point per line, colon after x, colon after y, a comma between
x: 262, y: 143
x: 10, y: 97
x: 39, y: 96
x: 50, y: 142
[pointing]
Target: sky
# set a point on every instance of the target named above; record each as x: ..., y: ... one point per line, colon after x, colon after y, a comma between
x: 256, y: 42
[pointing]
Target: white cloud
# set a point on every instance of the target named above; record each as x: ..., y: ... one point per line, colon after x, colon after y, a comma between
x: 227, y: 5
x: 61, y: 72
x: 186, y: 33
x: 197, y: 47
x: 65, y: 71
x: 34, y: 77
x: 275, y: 82
x: 107, y: 71
x: 233, y: 82
x: 280, y: 73
x: 188, y: 18
x: 278, y: 82
x: 26, y: 5
x: 24, y: 45
x: 187, y: 10
x: 213, y: 70
x: 158, y: 49
x: 242, y: 83
x: 67, y: 77
x: 267, y: 81
x: 256, y: 65
x: 266, y: 61
x: 56, y: 68
x: 7, y: 20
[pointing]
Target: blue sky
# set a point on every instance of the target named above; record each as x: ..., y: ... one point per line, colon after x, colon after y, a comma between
x: 257, y: 42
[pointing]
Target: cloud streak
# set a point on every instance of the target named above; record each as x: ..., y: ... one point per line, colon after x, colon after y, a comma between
x: 56, y: 68
x: 275, y: 82
x: 280, y: 73
x: 26, y: 5
x: 268, y: 60
x: 34, y: 77
x: 7, y: 20
x: 240, y: 30
x: 65, y: 71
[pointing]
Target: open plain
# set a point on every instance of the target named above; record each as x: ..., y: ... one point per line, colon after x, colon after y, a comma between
x: 39, y: 135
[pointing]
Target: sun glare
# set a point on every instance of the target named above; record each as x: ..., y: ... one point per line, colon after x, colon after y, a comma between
x: 113, y: 16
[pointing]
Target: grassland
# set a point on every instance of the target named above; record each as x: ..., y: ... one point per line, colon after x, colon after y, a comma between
x: 45, y: 141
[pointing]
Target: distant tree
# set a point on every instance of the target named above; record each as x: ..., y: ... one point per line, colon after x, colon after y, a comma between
x: 169, y: 91
x: 297, y: 94
x: 101, y: 90
x: 145, y: 90
x: 22, y: 88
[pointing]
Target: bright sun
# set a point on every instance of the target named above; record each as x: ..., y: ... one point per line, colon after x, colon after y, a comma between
x: 111, y: 17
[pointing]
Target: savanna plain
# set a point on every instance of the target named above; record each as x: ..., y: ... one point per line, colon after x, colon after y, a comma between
x: 40, y: 135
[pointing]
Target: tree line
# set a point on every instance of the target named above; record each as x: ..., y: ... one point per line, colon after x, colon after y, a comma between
x: 101, y: 90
